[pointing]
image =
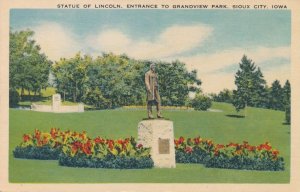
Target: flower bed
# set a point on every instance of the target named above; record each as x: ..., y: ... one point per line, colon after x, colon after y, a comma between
x: 231, y: 156
x: 78, y: 150
x: 41, y: 145
x: 75, y: 149
x: 194, y: 150
x: 106, y: 153
x: 245, y: 156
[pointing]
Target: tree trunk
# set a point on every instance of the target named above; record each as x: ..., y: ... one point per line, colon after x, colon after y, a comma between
x: 245, y: 112
x: 22, y: 93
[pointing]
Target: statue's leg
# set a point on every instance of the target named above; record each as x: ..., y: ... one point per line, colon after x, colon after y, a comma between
x: 149, y: 110
x: 158, y: 105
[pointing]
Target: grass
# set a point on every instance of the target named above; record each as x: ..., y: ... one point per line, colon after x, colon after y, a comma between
x: 259, y: 126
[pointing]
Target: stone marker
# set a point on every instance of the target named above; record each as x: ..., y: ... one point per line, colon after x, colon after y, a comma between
x: 159, y: 135
x: 56, y: 102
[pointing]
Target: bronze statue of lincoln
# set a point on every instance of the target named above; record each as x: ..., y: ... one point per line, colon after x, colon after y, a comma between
x: 153, y: 98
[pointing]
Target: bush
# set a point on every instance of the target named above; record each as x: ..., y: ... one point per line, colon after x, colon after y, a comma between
x: 197, y: 156
x: 14, y: 98
x: 109, y: 161
x: 201, y: 102
x: 239, y: 162
x: 44, y: 152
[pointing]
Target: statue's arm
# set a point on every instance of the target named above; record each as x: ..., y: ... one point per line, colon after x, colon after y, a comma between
x: 147, y: 82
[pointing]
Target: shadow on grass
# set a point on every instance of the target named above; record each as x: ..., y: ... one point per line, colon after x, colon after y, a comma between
x: 285, y: 123
x: 236, y: 116
x: 156, y: 119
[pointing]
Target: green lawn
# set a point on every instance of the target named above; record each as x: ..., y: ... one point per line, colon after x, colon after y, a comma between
x: 259, y: 126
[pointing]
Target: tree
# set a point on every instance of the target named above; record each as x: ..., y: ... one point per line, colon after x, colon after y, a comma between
x: 250, y: 85
x: 176, y: 83
x: 225, y: 95
x: 276, y: 96
x: 28, y: 67
x: 71, y: 76
x: 287, y: 101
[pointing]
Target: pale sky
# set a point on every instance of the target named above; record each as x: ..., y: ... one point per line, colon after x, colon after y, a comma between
x: 210, y: 41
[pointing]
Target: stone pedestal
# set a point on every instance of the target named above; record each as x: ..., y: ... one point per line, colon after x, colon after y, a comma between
x: 159, y: 135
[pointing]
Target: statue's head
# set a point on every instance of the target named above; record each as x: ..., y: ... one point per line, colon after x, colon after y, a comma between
x: 152, y: 66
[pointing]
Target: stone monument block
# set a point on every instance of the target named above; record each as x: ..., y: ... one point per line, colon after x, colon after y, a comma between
x: 159, y: 135
x: 56, y: 102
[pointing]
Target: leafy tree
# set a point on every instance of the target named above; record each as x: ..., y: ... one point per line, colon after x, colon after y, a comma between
x: 225, y: 95
x: 71, y: 76
x: 250, y: 85
x: 176, y: 83
x: 28, y: 67
x: 117, y: 80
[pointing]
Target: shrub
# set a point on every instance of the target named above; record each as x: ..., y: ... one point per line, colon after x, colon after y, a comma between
x: 32, y: 152
x: 201, y: 102
x: 109, y: 161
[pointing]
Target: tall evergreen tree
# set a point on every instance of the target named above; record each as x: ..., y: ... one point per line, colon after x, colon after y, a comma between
x: 250, y: 85
x: 276, y: 96
x: 287, y: 101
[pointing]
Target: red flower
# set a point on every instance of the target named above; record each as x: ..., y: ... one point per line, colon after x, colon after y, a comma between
x: 99, y: 140
x: 251, y: 148
x: 275, y: 152
x: 26, y: 137
x: 220, y: 146
x: 139, y: 146
x: 197, y: 140
x: 110, y: 144
x: 181, y: 140
x: 265, y: 146
x: 87, y: 148
x: 77, y: 144
x: 188, y: 149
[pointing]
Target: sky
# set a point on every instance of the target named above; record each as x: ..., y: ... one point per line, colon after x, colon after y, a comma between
x: 210, y: 41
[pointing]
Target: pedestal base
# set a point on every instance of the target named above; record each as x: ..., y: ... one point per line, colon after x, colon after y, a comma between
x: 159, y: 135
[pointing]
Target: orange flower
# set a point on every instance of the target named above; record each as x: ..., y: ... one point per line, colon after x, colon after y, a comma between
x: 37, y: 134
x: 53, y: 132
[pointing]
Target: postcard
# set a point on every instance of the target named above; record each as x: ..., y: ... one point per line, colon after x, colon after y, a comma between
x: 149, y: 95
